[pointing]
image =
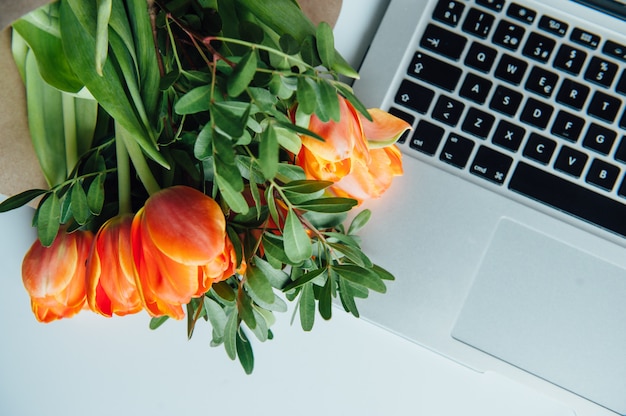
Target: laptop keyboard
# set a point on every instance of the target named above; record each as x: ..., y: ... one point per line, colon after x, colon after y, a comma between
x: 524, y: 101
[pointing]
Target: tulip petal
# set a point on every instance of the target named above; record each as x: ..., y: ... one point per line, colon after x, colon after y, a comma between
x: 185, y: 225
x: 384, y: 129
x: 340, y: 138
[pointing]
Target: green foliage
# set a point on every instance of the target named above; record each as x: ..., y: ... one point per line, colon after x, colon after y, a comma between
x: 222, y: 106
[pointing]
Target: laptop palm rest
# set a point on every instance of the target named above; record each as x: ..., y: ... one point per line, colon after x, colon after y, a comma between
x: 567, y: 326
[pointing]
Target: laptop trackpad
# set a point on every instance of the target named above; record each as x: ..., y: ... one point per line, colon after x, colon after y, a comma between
x: 567, y: 326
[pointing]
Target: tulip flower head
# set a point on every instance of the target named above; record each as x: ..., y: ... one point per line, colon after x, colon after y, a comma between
x: 180, y: 247
x: 54, y: 276
x: 357, y: 154
x: 111, y: 287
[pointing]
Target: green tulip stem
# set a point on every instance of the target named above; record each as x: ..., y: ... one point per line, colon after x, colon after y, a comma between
x: 69, y: 130
x: 123, y: 177
x: 138, y: 159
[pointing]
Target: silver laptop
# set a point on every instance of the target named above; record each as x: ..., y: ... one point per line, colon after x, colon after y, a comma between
x: 507, y: 232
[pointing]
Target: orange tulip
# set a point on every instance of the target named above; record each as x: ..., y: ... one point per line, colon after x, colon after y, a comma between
x: 54, y: 276
x: 180, y: 247
x: 111, y: 285
x: 358, y: 155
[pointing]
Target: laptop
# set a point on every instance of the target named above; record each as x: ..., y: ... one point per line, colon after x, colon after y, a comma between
x: 507, y: 231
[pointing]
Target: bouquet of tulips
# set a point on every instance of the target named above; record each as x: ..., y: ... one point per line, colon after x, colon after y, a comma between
x: 202, y: 157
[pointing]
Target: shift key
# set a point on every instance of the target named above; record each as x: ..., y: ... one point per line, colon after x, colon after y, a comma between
x: 434, y: 71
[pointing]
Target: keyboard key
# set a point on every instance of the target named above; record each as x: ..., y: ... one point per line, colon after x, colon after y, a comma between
x: 621, y: 84
x: 404, y: 116
x: 505, y: 101
x: 475, y: 88
x: 604, y: 106
x: 573, y: 94
x: 620, y: 153
x: 541, y: 81
x: 414, y: 96
x: 538, y: 47
x: 599, y: 138
x: 585, y: 38
x: 601, y: 71
x: 457, y: 150
x: 539, y: 148
x: 443, y: 42
x: 508, y: 135
x: 570, y: 59
x: 480, y: 57
x: 621, y: 191
x: 521, y: 13
x: 536, y: 113
x: 496, y: 5
x: 508, y: 35
x: 478, y: 123
x: 449, y: 12
x: 622, y: 120
x: 478, y: 23
x: 511, y: 69
x: 567, y: 126
x: 614, y: 49
x: 491, y: 165
x: 448, y: 110
x: 602, y: 174
x: 568, y: 197
x: 426, y: 138
x: 552, y: 25
x: 571, y: 161
x: 434, y: 71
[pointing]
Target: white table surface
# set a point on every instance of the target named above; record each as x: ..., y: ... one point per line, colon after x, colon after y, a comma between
x: 89, y: 365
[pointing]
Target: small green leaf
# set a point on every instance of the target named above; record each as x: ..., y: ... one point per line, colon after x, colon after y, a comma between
x: 276, y: 277
x: 289, y: 44
x: 224, y: 291
x: 48, y: 217
x: 328, y: 102
x: 230, y: 117
x: 325, y: 304
x: 233, y: 198
x: 273, y: 246
x: 307, y: 186
x: 158, y: 321
x: 203, y: 146
x: 244, y: 308
x: 244, y: 352
x: 243, y: 74
x: 359, y: 221
x: 307, y: 307
x: 330, y: 205
x: 361, y: 276
x: 346, y: 295
x: 230, y: 334
x: 288, y: 140
x: 217, y: 316
x: 20, y: 199
x: 383, y: 274
x: 95, y: 194
x: 325, y: 44
x: 304, y: 279
x: 297, y: 243
x: 268, y: 152
x: 80, y: 206
x: 195, y: 101
x: 257, y: 283
x: 306, y: 95
x: 353, y: 253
